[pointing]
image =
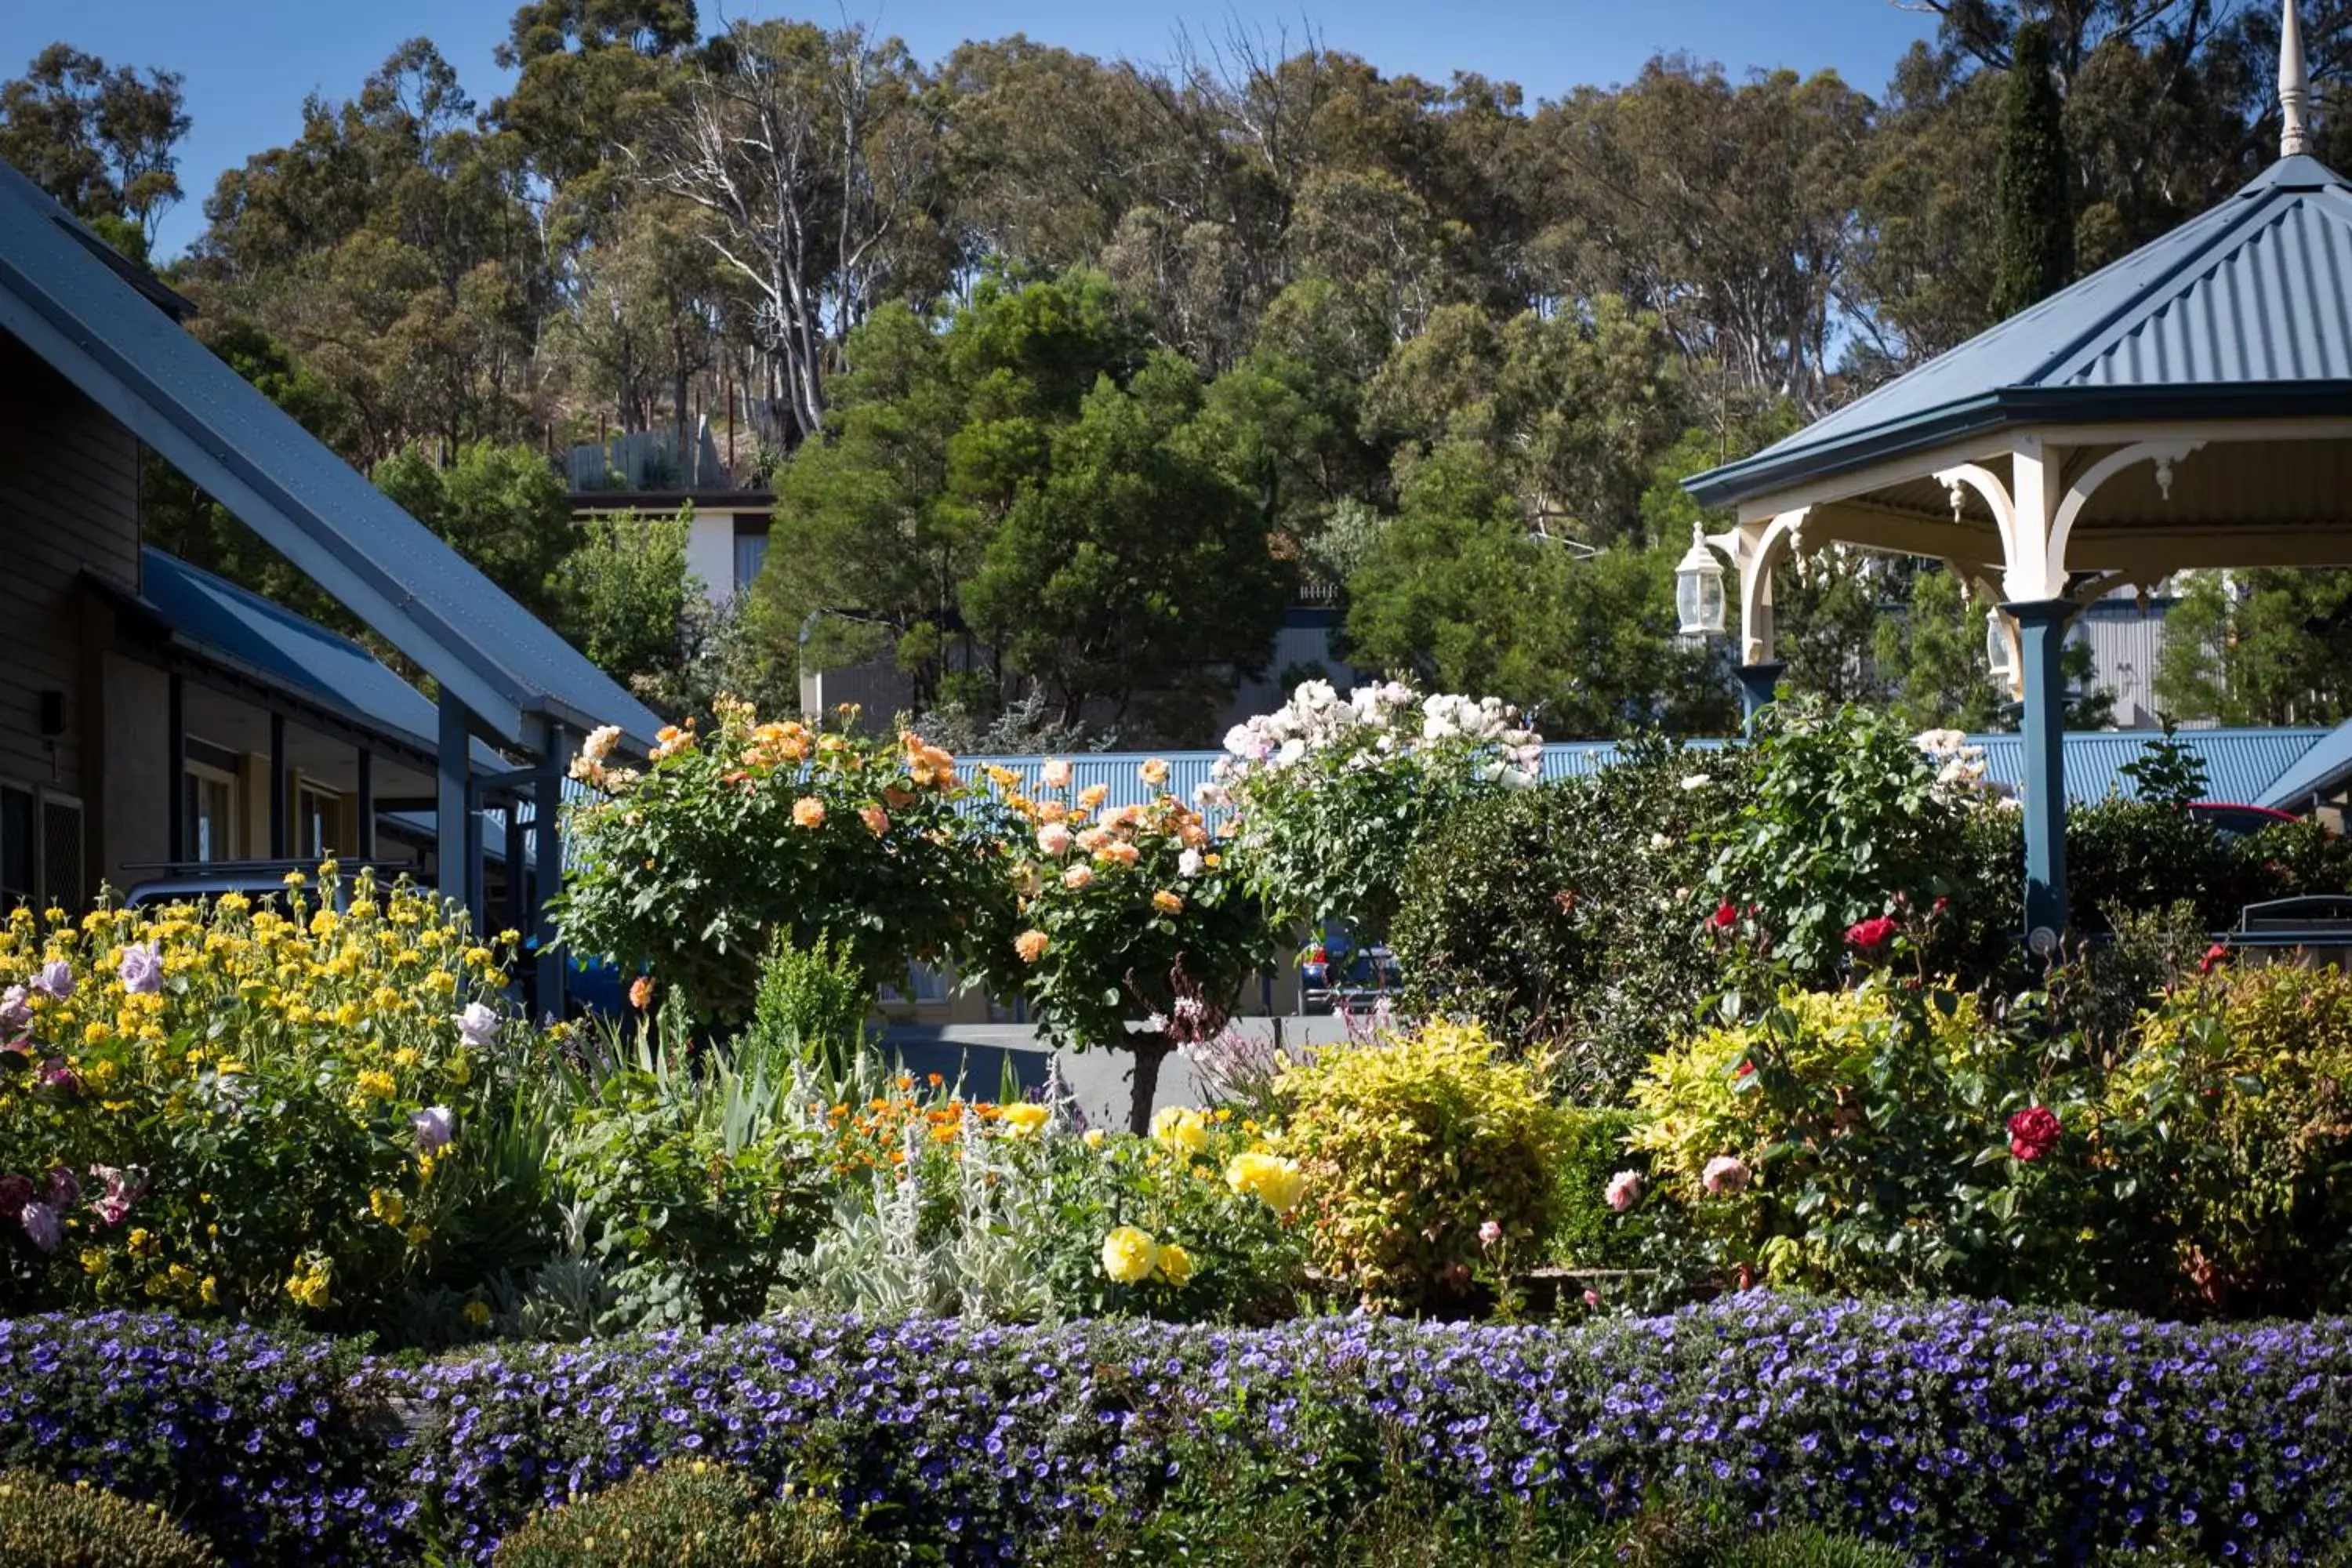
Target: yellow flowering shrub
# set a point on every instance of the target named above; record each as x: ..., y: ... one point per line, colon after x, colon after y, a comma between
x: 259, y: 1107
x: 1412, y: 1143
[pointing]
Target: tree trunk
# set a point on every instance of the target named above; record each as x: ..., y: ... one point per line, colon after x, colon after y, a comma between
x: 1149, y: 1050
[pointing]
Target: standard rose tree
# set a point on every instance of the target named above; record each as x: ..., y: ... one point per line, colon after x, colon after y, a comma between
x: 1126, y: 928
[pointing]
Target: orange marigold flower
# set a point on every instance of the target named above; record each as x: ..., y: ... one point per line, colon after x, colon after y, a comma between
x: 808, y: 811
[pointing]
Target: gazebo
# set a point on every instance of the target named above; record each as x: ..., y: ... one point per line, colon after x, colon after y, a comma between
x: 2190, y: 406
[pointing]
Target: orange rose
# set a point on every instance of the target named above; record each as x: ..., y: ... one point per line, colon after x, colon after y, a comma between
x: 641, y: 991
x: 876, y: 820
x: 1167, y: 903
x: 1031, y: 945
x: 808, y: 812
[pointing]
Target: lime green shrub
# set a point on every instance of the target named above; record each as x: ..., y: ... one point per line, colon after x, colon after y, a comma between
x: 1412, y: 1145
x: 810, y: 1008
x: 2234, y: 1110
x: 685, y: 1515
x: 53, y: 1524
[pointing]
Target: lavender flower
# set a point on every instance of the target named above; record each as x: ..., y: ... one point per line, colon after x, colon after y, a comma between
x: 56, y: 980
x: 40, y: 1223
x: 434, y: 1126
x: 478, y: 1024
x: 142, y: 970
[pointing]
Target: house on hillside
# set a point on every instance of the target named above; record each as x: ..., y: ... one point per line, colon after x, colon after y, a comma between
x: 155, y: 720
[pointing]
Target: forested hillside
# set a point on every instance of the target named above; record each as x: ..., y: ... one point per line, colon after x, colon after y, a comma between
x: 1095, y: 365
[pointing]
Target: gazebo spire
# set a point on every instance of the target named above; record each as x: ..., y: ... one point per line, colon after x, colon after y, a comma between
x: 2294, y: 84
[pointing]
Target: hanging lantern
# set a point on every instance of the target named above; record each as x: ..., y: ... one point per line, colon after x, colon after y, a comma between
x: 1698, y: 589
x: 1999, y: 650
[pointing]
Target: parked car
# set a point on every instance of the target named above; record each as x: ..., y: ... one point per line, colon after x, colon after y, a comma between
x: 2232, y: 820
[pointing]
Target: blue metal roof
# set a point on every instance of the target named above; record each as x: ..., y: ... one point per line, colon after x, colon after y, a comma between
x: 2321, y: 770
x: 2244, y: 309
x: 88, y: 323
x: 2238, y: 763
x: 218, y: 617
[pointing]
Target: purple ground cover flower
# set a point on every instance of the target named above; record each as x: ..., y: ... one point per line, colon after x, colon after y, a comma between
x: 1969, y: 1433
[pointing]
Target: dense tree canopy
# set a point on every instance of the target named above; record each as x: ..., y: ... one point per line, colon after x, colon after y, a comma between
x: 1069, y: 373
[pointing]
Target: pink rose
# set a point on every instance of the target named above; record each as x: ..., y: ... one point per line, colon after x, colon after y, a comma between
x: 1054, y: 839
x: 1724, y: 1173
x: 1490, y: 1234
x: 1624, y: 1190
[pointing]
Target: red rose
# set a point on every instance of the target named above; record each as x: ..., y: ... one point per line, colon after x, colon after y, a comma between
x: 2215, y: 955
x: 1726, y: 915
x: 2033, y: 1132
x: 1869, y: 936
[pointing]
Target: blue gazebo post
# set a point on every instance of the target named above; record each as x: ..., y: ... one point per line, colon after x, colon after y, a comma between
x: 2041, y: 637
x: 1759, y: 684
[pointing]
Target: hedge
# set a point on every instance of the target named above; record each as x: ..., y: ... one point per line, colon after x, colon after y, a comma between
x: 1963, y: 1432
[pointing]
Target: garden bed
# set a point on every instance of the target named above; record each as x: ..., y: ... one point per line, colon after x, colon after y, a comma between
x: 1963, y: 1432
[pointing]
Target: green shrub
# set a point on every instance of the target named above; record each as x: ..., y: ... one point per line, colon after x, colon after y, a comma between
x: 810, y: 1008
x: 1855, y: 1142
x: 693, y: 1514
x: 1846, y: 819
x: 1410, y: 1146
x: 1587, y: 1233
x: 1568, y: 917
x: 53, y: 1524
x: 692, y: 1207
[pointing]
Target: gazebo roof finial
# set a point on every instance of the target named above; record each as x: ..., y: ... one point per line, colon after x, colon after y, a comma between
x: 2293, y: 138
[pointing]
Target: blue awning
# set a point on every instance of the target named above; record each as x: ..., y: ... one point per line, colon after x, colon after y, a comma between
x: 217, y: 618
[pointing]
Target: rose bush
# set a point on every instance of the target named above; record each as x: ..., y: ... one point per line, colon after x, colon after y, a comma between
x: 1333, y: 797
x: 1131, y: 914
x: 725, y: 839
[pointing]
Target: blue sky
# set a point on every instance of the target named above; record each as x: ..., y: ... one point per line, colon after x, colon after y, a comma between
x: 248, y: 63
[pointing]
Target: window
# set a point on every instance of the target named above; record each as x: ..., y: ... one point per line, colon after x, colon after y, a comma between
x: 750, y: 554
x: 208, y: 799
x: 317, y: 822
x: 923, y: 984
x: 16, y: 873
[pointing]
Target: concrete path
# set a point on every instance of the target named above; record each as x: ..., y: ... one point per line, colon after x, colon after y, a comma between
x: 1100, y: 1081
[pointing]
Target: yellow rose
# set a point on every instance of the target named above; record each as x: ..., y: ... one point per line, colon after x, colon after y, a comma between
x: 1025, y: 1119
x: 1167, y: 903
x: 1175, y: 1264
x: 1129, y: 1255
x: 1154, y: 771
x: 1271, y: 1180
x: 1181, y: 1127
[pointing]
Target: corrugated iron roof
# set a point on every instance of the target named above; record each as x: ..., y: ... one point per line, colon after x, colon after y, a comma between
x: 79, y: 315
x: 2248, y: 305
x: 2322, y: 769
x: 2238, y: 763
